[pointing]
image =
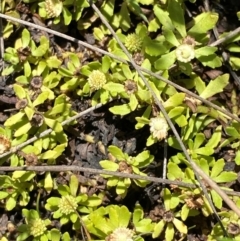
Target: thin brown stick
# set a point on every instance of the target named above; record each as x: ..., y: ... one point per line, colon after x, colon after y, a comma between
x: 197, y: 170
x: 73, y: 168
x: 227, y: 113
x: 226, y: 38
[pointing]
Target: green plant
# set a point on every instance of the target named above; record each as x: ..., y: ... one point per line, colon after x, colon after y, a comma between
x: 168, y: 219
x: 125, y: 164
x: 118, y: 223
x: 67, y: 206
x: 35, y: 226
x: 16, y: 190
x: 232, y: 224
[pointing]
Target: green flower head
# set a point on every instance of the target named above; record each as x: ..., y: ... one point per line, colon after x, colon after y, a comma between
x: 96, y: 80
x: 68, y: 204
x: 37, y: 227
x: 133, y: 42
x: 185, y: 53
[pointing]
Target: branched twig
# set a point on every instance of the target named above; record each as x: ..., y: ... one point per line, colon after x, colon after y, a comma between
x: 230, y: 115
x: 198, y: 172
x: 48, y: 131
x: 73, y: 168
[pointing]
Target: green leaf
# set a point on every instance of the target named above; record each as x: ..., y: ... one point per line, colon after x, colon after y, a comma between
x: 154, y: 47
x: 48, y: 154
x: 109, y: 165
x: 141, y: 157
x: 124, y: 17
x: 163, y: 17
x: 23, y: 129
x: 174, y: 101
x: 125, y: 108
x: 174, y: 172
x: 110, y: 86
x: 10, y: 203
x: 73, y: 184
x: 215, y: 86
x: 184, y: 212
x: 67, y: 16
x: 127, y: 72
x: 43, y: 48
x: 14, y: 119
x: 117, y: 152
x: 198, y: 141
x: 53, y: 124
x: 123, y: 216
x: 112, y: 181
x: 212, y: 60
x: 27, y: 69
x: 217, y: 168
x: 176, y: 15
x: 150, y: 141
x: 166, y: 61
x: 3, y: 194
x: 170, y: 37
x: 216, y: 137
x: 235, y: 62
x: 106, y: 63
x: 180, y: 226
x: 206, y: 151
x: 169, y: 233
x: 158, y: 229
x: 205, y: 51
x: 53, y: 62
x: 41, y: 98
x: 25, y: 38
x: 231, y: 131
x: 29, y: 112
x: 167, y: 198
x: 217, y: 200
x: 226, y: 177
x: 19, y: 91
x: 237, y: 158
x: 203, y: 22
x: 48, y: 182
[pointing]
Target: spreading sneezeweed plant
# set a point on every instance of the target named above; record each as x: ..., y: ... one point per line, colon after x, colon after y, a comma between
x: 125, y: 164
x: 194, y: 200
x: 38, y: 228
x: 116, y: 223
x: 169, y: 223
x: 231, y: 222
x: 15, y: 189
x: 71, y: 202
x: 62, y: 12
x: 35, y: 227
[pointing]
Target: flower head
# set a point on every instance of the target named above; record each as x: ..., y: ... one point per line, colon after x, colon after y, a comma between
x: 21, y: 104
x: 133, y: 42
x: 130, y: 87
x: 36, y: 82
x: 68, y: 204
x: 158, y: 127
x: 53, y: 8
x: 185, y: 53
x: 37, y: 227
x: 121, y: 234
x: 97, y: 80
x: 5, y: 144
